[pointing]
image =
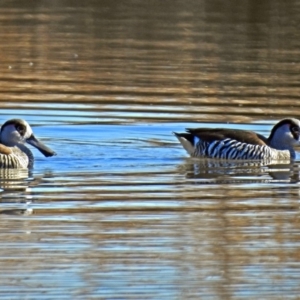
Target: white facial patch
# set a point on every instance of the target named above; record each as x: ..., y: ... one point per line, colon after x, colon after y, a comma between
x: 28, y: 131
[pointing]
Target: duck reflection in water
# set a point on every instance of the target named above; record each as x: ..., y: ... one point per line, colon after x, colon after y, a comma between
x: 233, y: 171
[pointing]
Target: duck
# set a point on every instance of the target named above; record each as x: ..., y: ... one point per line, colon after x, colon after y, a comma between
x: 234, y: 144
x: 14, y: 153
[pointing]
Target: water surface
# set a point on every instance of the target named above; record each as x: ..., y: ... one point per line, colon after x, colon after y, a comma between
x: 121, y: 212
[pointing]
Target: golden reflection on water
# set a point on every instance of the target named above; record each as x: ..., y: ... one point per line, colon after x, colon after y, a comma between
x: 210, y: 252
x: 206, y: 68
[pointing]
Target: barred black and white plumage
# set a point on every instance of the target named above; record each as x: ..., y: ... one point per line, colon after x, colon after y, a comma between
x: 240, y: 144
x: 232, y: 149
x: 13, y: 152
x: 10, y: 162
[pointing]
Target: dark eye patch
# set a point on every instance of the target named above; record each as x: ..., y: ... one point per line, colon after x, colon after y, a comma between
x: 21, y: 129
x: 295, y: 132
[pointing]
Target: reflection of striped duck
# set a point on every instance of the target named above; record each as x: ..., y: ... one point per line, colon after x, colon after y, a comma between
x: 242, y: 144
x: 13, y: 152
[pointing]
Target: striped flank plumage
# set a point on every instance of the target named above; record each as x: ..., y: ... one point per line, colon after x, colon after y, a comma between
x: 240, y: 144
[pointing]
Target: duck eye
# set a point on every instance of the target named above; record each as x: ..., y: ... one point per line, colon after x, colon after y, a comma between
x: 295, y: 129
x: 21, y: 129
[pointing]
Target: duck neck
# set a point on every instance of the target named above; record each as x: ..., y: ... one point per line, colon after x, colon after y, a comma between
x: 27, y: 151
x: 280, y: 141
x: 283, y: 147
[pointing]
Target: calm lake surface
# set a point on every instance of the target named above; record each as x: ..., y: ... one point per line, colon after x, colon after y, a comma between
x: 121, y: 212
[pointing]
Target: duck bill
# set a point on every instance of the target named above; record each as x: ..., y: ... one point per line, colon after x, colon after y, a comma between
x: 33, y: 141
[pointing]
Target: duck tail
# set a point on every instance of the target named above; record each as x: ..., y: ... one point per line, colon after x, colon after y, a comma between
x: 187, y: 140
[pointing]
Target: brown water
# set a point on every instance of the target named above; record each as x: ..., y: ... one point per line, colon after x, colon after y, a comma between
x: 121, y: 212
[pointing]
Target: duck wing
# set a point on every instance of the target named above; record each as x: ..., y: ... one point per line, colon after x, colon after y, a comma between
x: 213, y: 134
